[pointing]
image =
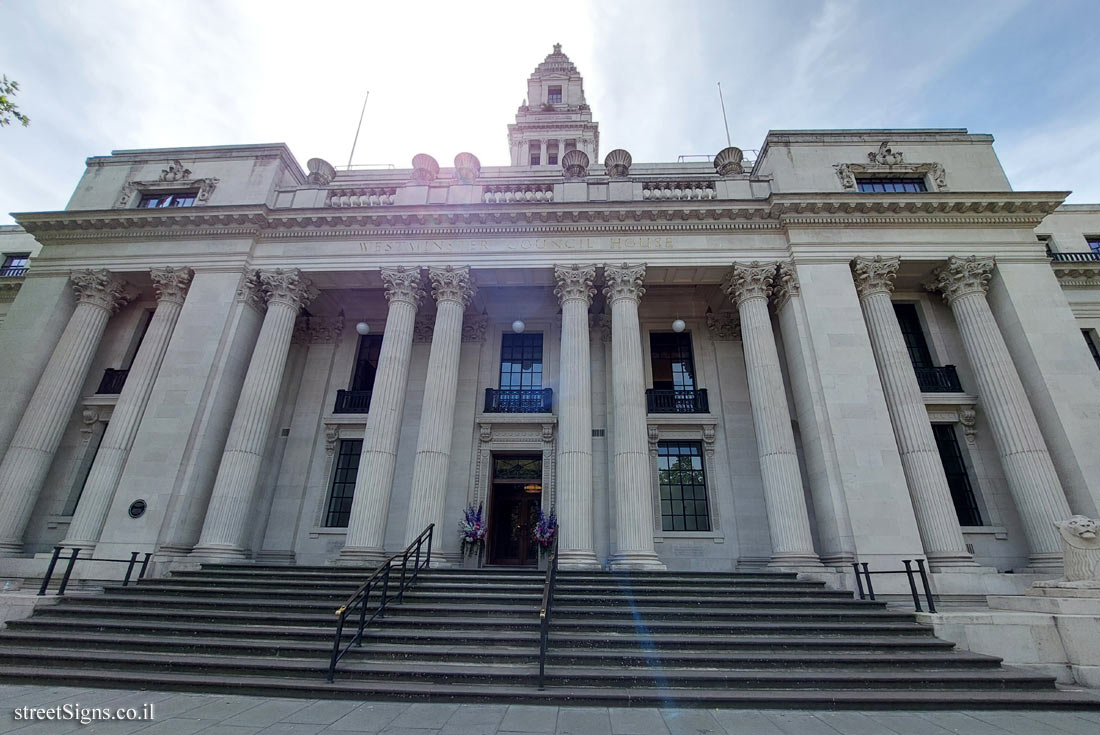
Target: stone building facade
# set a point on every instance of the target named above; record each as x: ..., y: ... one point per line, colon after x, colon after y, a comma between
x: 853, y: 347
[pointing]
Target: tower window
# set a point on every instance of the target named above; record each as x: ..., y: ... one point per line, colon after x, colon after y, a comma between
x: 536, y: 153
x: 552, y: 154
x: 553, y: 95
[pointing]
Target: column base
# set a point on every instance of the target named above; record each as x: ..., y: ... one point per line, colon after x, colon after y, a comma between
x: 635, y: 562
x: 275, y: 557
x: 954, y: 561
x: 8, y: 549
x: 790, y: 559
x: 1045, y: 563
x: 219, y: 553
x: 578, y: 561
x: 362, y: 556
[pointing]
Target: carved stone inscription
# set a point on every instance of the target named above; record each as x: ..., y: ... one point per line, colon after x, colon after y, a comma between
x: 535, y: 244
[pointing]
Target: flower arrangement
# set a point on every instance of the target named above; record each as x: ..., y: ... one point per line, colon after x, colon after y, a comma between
x: 546, y: 529
x: 471, y: 531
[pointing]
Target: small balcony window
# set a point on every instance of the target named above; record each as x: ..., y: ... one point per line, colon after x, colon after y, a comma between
x: 168, y: 199
x: 553, y: 95
x: 893, y: 185
x: 15, y: 265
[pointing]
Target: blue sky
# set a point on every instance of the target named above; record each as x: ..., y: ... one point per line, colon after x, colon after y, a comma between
x: 446, y: 77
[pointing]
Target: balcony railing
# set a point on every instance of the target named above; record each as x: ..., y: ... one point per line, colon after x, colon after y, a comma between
x: 676, y: 401
x: 112, y: 382
x: 1086, y: 257
x: 938, y: 379
x: 511, y: 400
x: 352, y: 401
x: 13, y: 271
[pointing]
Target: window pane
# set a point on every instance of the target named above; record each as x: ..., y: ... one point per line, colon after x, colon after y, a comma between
x: 907, y: 184
x: 343, y: 483
x: 962, y: 493
x: 521, y: 361
x: 366, y: 362
x: 683, y: 487
x: 672, y: 361
x: 913, y: 335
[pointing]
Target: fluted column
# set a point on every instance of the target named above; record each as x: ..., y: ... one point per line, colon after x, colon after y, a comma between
x: 370, y: 506
x: 1028, y: 468
x: 452, y: 289
x: 171, y: 285
x: 920, y: 458
x: 576, y: 545
x: 226, y: 526
x: 633, y: 496
x: 99, y: 295
x: 749, y: 286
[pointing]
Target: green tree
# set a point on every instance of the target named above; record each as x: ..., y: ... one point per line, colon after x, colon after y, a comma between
x: 8, y: 109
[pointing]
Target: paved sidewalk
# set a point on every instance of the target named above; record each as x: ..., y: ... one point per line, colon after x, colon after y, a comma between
x: 212, y: 714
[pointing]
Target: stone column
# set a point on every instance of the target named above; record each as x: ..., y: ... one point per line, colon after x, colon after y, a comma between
x: 171, y: 285
x: 226, y: 528
x: 576, y: 545
x: 370, y: 506
x: 1028, y: 468
x: 633, y: 496
x: 99, y: 295
x: 749, y: 286
x: 920, y: 458
x: 452, y: 289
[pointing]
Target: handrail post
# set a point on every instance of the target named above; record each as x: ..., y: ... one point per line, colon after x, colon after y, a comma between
x: 859, y: 581
x: 385, y: 591
x: 927, y: 589
x: 68, y: 573
x: 362, y: 616
x: 49, y: 570
x: 428, y: 557
x: 404, y: 567
x: 336, y: 644
x: 912, y: 584
x: 870, y: 587
x: 144, y: 564
x: 130, y: 568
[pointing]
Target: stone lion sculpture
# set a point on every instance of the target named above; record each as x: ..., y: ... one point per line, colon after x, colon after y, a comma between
x: 1081, y: 548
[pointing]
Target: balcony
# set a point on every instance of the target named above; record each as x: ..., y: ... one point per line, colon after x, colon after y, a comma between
x: 1090, y: 256
x: 676, y: 401
x: 938, y: 379
x: 538, y: 400
x: 112, y: 382
x: 352, y: 401
x: 13, y: 271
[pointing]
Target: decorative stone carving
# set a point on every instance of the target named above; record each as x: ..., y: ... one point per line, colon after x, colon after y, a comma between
x: 249, y: 292
x: 845, y: 174
x: 968, y: 417
x: 288, y: 287
x: 601, y: 322
x: 1081, y: 550
x: 786, y: 284
x: 101, y: 288
x: 548, y: 432
x: 332, y: 438
x: 485, y: 432
x: 885, y: 155
x: 175, y: 171
x: 170, y: 283
x: 724, y: 327
x: 939, y: 176
x: 425, y: 169
x: 422, y: 328
x: 710, y: 437
x: 575, y: 164
x: 624, y: 282
x: 403, y: 284
x: 89, y: 417
x: 654, y: 435
x: 321, y: 172
x: 452, y: 284
x: 467, y: 167
x: 750, y: 281
x: 961, y: 276
x: 203, y: 187
x: 474, y: 328
x: 574, y: 282
x: 617, y: 163
x: 318, y: 330
x: 875, y: 275
x: 728, y: 161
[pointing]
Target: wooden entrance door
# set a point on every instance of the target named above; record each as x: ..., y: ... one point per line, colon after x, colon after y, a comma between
x: 514, y: 503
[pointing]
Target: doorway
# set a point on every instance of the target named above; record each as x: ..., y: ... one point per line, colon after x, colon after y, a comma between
x: 514, y: 501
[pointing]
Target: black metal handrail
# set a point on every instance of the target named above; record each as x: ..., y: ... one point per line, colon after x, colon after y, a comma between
x: 908, y: 572
x: 352, y: 401
x: 547, y: 609
x: 71, y: 562
x: 938, y: 379
x: 112, y: 382
x: 513, y: 400
x: 381, y: 577
x: 677, y: 401
x: 1089, y: 256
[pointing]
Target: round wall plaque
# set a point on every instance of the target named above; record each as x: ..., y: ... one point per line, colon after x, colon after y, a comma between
x: 137, y: 508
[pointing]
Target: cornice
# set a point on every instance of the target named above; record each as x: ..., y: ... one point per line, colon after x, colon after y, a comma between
x: 992, y: 209
x: 118, y: 224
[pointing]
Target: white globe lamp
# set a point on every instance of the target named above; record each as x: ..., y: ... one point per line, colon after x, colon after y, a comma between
x: 518, y: 326
x: 678, y: 326
x: 362, y: 328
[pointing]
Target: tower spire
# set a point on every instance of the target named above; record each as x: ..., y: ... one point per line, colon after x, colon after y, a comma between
x: 555, y: 118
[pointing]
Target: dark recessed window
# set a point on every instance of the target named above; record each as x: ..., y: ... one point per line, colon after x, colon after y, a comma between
x: 902, y: 184
x: 672, y: 361
x: 553, y: 95
x: 1094, y: 348
x: 536, y: 154
x: 1093, y: 243
x: 366, y: 362
x: 962, y: 493
x: 552, y: 154
x: 913, y: 334
x: 521, y: 361
x: 683, y: 486
x: 15, y: 265
x: 171, y: 199
x: 343, y: 483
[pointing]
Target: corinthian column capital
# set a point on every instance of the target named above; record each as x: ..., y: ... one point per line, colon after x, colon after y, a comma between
x: 403, y: 284
x: 624, y: 282
x: 171, y: 284
x: 101, y: 288
x: 961, y: 276
x: 786, y: 284
x: 452, y: 284
x: 750, y: 281
x: 288, y: 287
x: 575, y: 282
x: 875, y: 275
x: 249, y: 292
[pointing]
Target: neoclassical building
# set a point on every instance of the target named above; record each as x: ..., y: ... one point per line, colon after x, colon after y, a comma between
x: 853, y: 346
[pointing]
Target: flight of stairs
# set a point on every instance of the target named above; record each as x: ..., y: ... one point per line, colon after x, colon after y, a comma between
x: 654, y: 639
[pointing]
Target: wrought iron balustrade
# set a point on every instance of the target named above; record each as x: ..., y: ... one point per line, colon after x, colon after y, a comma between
x: 112, y: 382
x: 352, y: 401
x: 677, y: 401
x: 938, y: 379
x: 512, y: 400
x: 1090, y: 256
x: 13, y: 271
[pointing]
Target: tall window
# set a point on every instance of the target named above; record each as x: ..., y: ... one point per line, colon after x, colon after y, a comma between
x: 521, y: 361
x: 913, y: 334
x: 683, y: 486
x: 1094, y: 348
x: 366, y: 362
x: 15, y: 265
x: 962, y: 493
x: 535, y: 152
x: 672, y: 361
x: 170, y: 199
x: 901, y: 184
x: 343, y: 483
x: 553, y: 95
x: 552, y: 154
